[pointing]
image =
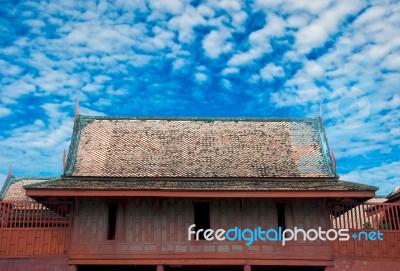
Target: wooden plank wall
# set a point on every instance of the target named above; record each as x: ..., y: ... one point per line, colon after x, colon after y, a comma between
x: 36, y: 264
x: 27, y: 242
x: 160, y: 232
x: 388, y: 248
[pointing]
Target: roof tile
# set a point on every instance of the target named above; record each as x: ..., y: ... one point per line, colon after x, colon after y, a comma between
x: 199, y: 148
x: 13, y: 188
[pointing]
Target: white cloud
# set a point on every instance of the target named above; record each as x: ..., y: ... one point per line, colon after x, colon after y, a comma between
x: 293, y: 6
x: 311, y: 36
x: 185, y: 23
x: 313, y: 69
x: 179, y: 63
x: 227, y: 71
x: 283, y: 98
x: 21, y: 87
x: 386, y: 176
x: 90, y: 112
x: 226, y: 84
x: 308, y: 94
x: 235, y: 10
x: 391, y: 62
x: 32, y: 145
x: 200, y: 77
x: 92, y: 87
x: 297, y: 21
x: 8, y: 69
x: 35, y: 25
x: 215, y: 43
x: 259, y: 41
x: 244, y: 58
x: 316, y: 34
x: 170, y: 6
x: 4, y: 112
x: 271, y: 71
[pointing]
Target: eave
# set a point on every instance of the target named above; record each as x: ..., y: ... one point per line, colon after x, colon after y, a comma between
x: 35, y: 193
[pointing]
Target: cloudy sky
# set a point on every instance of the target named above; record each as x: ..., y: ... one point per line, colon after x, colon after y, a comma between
x: 193, y: 58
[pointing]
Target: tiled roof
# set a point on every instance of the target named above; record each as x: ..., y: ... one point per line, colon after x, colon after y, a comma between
x: 202, y: 148
x: 201, y: 185
x: 13, y: 188
x: 394, y: 195
x: 377, y: 200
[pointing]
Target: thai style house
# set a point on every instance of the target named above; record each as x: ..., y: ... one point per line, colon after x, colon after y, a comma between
x: 135, y: 193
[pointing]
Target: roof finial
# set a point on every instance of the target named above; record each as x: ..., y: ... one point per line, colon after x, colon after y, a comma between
x: 64, y: 159
x: 333, y: 161
x: 77, y: 106
x: 9, y: 171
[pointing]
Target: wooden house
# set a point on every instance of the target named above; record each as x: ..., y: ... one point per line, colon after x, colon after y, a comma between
x: 133, y: 187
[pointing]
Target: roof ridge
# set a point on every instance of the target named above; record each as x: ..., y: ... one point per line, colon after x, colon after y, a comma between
x: 188, y: 118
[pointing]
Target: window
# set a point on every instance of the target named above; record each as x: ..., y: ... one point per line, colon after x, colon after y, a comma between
x: 112, y: 220
x: 116, y: 220
x: 201, y: 217
x: 280, y: 209
x: 285, y: 218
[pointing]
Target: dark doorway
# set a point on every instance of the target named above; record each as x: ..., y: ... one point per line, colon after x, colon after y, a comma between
x: 201, y: 217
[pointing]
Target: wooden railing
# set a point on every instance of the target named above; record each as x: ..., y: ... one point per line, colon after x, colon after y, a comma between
x: 365, y: 218
x: 378, y: 216
x: 29, y: 228
x: 28, y: 214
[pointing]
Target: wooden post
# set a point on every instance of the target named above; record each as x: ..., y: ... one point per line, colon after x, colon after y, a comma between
x: 247, y: 268
x: 160, y: 267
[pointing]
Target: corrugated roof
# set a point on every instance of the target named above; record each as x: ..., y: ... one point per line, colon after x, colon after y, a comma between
x: 13, y: 188
x: 201, y: 185
x: 199, y: 148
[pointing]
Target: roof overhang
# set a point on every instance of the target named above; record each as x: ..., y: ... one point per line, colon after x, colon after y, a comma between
x: 38, y: 193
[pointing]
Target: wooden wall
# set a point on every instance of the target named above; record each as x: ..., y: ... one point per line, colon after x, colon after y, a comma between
x: 36, y: 264
x: 27, y: 242
x: 388, y: 248
x: 157, y: 233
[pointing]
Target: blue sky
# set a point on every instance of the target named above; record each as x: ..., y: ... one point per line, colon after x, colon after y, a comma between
x: 193, y: 58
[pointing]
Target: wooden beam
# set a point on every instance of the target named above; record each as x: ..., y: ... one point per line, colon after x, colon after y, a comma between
x: 200, y: 194
x: 183, y: 262
x: 197, y: 255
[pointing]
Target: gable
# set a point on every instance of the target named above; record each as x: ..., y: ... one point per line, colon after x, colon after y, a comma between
x: 13, y: 188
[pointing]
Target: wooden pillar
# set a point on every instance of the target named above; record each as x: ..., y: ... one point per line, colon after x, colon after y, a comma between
x: 247, y: 268
x: 160, y: 267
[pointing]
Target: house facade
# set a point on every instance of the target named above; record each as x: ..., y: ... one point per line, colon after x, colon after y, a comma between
x: 196, y: 194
